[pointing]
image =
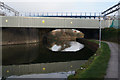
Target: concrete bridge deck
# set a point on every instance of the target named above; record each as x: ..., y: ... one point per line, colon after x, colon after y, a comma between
x: 51, y: 22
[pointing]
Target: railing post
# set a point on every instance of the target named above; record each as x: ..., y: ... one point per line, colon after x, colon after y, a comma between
x: 71, y: 14
x: 61, y: 13
x: 100, y: 31
x: 42, y: 13
x: 37, y: 14
x: 80, y: 14
x: 85, y: 15
x: 47, y: 13
x: 30, y: 14
x: 76, y: 14
x: 94, y: 15
x: 25, y: 13
x: 57, y: 13
x: 90, y: 15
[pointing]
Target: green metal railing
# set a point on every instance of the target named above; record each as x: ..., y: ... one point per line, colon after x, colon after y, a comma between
x: 115, y: 24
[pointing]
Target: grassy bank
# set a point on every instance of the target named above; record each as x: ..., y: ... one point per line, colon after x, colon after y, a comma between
x: 96, y: 65
x: 111, y: 34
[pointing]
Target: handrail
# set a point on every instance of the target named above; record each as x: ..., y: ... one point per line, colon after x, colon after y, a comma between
x: 111, y: 9
x: 8, y: 8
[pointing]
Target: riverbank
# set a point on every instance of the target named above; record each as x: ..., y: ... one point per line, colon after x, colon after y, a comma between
x: 96, y: 66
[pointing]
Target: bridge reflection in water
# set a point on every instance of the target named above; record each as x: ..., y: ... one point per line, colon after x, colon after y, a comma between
x: 18, y: 70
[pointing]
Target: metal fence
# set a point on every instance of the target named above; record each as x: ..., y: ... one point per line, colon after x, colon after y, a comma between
x: 5, y: 10
x: 89, y: 15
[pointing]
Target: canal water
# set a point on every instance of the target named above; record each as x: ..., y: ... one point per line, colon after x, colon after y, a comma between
x: 42, y: 68
x: 73, y: 46
x: 38, y: 59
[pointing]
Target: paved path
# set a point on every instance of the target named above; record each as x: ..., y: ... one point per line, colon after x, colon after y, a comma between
x: 112, y: 71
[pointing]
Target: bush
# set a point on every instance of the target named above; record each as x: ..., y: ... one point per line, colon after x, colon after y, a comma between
x: 111, y: 34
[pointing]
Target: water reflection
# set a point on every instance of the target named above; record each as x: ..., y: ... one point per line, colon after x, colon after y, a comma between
x: 67, y: 46
x: 38, y: 53
x: 46, y: 76
x: 17, y: 70
x: 18, y: 54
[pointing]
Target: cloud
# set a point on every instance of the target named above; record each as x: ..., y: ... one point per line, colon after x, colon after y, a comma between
x: 59, y: 5
x: 54, y: 1
x: 50, y: 1
x: 99, y: 0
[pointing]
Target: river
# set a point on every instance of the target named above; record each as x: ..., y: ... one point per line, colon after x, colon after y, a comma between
x: 32, y: 60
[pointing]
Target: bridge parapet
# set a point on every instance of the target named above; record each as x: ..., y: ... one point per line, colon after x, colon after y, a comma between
x: 51, y: 22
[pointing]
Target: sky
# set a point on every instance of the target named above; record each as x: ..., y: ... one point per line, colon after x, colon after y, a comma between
x: 60, y: 5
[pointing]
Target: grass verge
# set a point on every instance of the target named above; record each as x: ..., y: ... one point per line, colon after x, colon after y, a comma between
x: 96, y: 65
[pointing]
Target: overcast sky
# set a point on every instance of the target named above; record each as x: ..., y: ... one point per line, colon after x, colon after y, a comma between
x: 60, y: 5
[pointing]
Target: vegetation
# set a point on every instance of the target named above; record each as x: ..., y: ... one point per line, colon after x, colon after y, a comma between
x: 62, y: 37
x: 65, y: 34
x: 111, y: 34
x: 96, y: 65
